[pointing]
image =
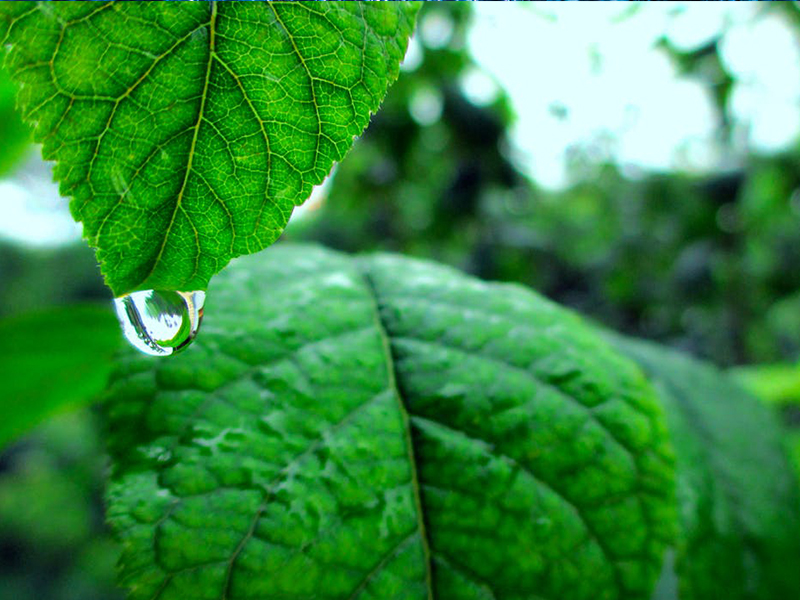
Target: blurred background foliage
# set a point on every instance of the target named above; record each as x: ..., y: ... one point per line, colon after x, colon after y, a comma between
x: 703, y: 259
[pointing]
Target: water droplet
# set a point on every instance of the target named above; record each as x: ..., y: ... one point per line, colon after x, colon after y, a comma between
x: 160, y: 322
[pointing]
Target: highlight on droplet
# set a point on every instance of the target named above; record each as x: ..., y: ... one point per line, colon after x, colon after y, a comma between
x: 160, y: 323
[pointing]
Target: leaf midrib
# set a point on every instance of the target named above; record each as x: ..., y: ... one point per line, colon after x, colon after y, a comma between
x: 406, y: 419
x: 387, y: 337
x: 212, y: 56
x: 190, y: 159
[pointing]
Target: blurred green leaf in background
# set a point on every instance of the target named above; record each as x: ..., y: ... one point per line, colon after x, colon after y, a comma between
x: 739, y: 502
x: 53, y: 361
x: 54, y: 544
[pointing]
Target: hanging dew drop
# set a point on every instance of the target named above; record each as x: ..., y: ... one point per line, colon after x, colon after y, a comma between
x: 158, y: 322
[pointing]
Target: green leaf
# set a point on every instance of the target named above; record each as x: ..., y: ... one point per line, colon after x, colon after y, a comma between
x: 382, y: 428
x: 186, y: 132
x: 15, y: 137
x: 738, y: 500
x: 777, y: 384
x: 53, y: 360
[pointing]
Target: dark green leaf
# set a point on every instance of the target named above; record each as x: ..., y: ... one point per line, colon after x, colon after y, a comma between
x: 738, y: 501
x: 53, y: 360
x: 186, y: 132
x: 382, y: 428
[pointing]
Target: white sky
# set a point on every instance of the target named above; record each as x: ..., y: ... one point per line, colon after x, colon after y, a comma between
x: 580, y: 76
x: 31, y: 209
x: 622, y: 95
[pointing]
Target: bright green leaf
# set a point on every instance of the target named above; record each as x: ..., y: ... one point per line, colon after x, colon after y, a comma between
x: 15, y: 137
x: 382, y: 428
x: 777, y: 384
x: 738, y: 501
x: 186, y: 132
x: 53, y: 360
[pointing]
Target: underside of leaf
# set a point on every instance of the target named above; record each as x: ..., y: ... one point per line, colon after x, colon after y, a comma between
x: 380, y: 428
x: 186, y: 132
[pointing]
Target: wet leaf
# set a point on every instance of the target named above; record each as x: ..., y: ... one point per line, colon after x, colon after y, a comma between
x: 186, y: 132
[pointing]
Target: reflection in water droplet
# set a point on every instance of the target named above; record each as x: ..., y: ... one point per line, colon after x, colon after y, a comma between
x: 160, y: 322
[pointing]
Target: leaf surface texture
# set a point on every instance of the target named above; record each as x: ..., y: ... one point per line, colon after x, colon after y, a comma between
x: 380, y: 428
x: 739, y: 509
x: 186, y: 132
